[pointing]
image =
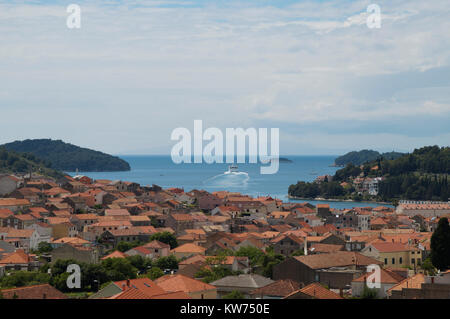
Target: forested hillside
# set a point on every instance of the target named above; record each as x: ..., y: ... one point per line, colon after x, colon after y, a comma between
x: 11, y: 162
x: 420, y: 175
x: 68, y: 157
x: 364, y: 156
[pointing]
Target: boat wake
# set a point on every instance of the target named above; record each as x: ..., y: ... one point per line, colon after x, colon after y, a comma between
x: 228, y: 179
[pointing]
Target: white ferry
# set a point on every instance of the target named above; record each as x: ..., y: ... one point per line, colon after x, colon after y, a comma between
x: 233, y: 168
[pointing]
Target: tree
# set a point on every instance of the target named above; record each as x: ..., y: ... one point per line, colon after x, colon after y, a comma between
x: 44, y: 247
x: 440, y: 245
x: 169, y: 262
x: 369, y: 293
x: 213, y: 273
x: 119, y: 269
x: 124, y: 246
x: 24, y: 278
x: 155, y: 273
x: 427, y: 265
x: 234, y: 295
x: 254, y: 254
x: 165, y: 237
x: 140, y: 263
x: 298, y: 252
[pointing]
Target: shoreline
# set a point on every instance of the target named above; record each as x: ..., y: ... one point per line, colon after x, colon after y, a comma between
x: 321, y: 199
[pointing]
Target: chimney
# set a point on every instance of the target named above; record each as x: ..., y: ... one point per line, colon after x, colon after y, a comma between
x: 305, y: 246
x: 128, y: 282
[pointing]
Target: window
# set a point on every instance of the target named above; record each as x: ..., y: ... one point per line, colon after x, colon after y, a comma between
x: 400, y: 260
x: 413, y: 260
x: 393, y: 261
x: 385, y: 261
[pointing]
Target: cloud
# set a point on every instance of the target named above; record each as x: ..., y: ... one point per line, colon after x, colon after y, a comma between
x: 138, y: 69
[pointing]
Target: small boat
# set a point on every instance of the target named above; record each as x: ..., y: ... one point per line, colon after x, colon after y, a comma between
x: 233, y: 168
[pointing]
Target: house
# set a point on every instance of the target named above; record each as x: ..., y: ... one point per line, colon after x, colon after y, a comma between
x: 76, y: 252
x: 276, y: 290
x: 111, y: 238
x: 313, y: 291
x: 426, y: 287
x: 82, y: 220
x: 44, y: 291
x: 77, y: 203
x: 318, y: 248
x: 153, y: 250
x: 408, y: 288
x: 245, y: 283
x: 247, y: 205
x: 196, y: 289
x: 387, y: 279
x: 115, y: 254
x: 32, y: 194
x: 140, y: 220
x: 5, y: 219
x: 394, y: 254
x: 424, y: 208
x: 287, y: 244
x: 117, y: 212
x: 207, y: 201
x: 143, y: 286
x: 5, y: 247
x: 187, y: 250
x: 61, y: 227
x: 180, y: 222
x: 229, y: 211
x: 19, y: 260
x: 8, y: 184
x: 76, y: 241
x: 44, y: 232
x: 23, y: 238
x: 323, y: 210
x: 233, y: 263
x: 336, y: 270
x: 19, y: 221
x: 14, y: 204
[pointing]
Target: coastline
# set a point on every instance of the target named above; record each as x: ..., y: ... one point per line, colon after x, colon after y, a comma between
x: 321, y: 199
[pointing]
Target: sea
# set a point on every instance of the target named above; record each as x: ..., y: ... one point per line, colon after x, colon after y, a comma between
x: 162, y: 171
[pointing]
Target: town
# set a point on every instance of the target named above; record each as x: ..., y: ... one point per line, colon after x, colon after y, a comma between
x: 146, y: 242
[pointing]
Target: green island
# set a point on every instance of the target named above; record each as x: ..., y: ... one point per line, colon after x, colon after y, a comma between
x: 68, y: 157
x: 12, y: 162
x: 364, y: 156
x: 420, y: 175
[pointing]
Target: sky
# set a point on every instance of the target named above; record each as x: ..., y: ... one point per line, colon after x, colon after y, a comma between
x: 136, y: 70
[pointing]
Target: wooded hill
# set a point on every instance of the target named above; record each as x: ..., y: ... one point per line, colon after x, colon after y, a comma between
x: 420, y: 175
x: 67, y: 157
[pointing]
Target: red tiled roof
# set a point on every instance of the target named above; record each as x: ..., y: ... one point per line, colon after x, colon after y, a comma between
x: 172, y: 283
x: 279, y: 288
x: 44, y: 291
x: 317, y: 291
